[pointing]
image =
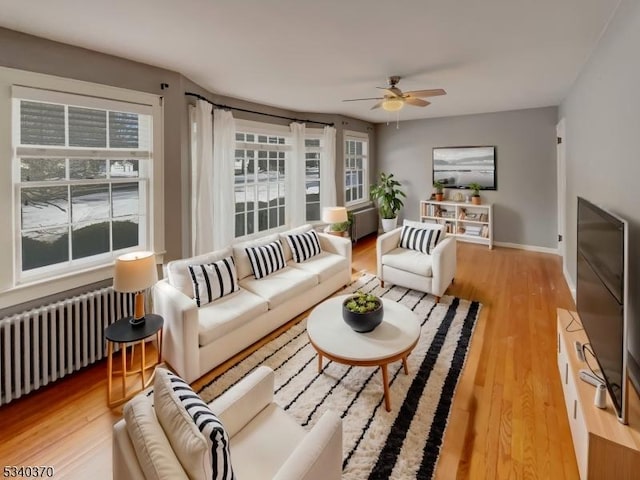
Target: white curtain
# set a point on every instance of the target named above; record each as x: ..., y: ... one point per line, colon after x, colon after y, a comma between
x: 224, y: 144
x: 202, y: 179
x: 296, y: 199
x: 328, y: 168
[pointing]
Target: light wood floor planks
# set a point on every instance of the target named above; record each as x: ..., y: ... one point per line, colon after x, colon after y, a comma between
x: 508, y: 419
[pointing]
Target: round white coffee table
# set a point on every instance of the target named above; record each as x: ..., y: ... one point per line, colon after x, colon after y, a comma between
x: 392, y: 340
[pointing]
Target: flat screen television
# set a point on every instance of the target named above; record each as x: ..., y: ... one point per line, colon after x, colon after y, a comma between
x: 457, y: 167
x: 601, y: 294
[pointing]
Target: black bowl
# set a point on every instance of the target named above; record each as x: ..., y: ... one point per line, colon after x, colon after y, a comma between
x: 362, y: 322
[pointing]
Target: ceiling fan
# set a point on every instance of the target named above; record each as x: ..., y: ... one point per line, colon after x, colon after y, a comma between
x: 394, y: 98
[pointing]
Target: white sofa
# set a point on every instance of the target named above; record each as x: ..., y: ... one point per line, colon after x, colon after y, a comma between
x: 416, y: 270
x: 195, y: 340
x: 265, y: 442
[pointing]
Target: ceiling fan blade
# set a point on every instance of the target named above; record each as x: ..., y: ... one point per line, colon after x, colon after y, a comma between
x: 377, y: 105
x: 426, y: 93
x: 394, y: 91
x: 416, y: 102
x: 358, y: 99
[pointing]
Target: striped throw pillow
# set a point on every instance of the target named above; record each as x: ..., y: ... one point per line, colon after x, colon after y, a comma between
x: 266, y: 259
x: 213, y: 280
x: 197, y: 436
x: 420, y: 239
x: 304, y: 245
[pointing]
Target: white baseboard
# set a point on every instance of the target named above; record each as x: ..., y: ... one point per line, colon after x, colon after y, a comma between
x: 567, y: 278
x: 530, y: 248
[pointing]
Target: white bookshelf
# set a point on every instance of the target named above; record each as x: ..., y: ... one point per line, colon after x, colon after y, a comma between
x: 465, y: 221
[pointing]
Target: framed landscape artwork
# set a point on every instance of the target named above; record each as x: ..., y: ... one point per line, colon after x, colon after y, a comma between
x: 457, y: 167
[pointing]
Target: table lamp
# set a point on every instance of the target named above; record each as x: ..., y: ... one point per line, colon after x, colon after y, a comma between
x: 333, y: 215
x: 134, y: 273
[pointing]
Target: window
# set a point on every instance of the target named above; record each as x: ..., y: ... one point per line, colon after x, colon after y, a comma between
x: 262, y: 156
x: 356, y: 186
x: 82, y: 167
x: 260, y: 177
x: 313, y: 149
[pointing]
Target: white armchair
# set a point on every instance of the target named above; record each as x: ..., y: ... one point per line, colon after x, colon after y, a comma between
x: 265, y: 441
x: 416, y: 270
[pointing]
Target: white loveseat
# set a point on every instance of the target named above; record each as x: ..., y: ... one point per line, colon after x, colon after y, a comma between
x: 265, y: 442
x: 195, y: 340
x: 413, y: 269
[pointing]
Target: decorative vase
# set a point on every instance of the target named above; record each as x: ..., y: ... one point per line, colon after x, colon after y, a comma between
x: 389, y: 224
x: 362, y: 322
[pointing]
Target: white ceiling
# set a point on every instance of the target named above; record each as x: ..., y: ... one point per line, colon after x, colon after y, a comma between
x: 304, y: 55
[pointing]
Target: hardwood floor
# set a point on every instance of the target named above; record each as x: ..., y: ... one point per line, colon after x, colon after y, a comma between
x: 508, y: 418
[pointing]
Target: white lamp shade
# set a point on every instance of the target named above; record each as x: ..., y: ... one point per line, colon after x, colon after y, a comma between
x: 334, y: 214
x: 135, y: 272
x: 393, y: 104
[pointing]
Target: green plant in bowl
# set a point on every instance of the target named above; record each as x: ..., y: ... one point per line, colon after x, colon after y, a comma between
x: 363, y: 312
x: 362, y: 303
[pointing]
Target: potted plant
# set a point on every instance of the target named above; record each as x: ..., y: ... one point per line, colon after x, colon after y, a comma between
x: 387, y: 194
x: 475, y: 193
x: 342, y: 228
x: 363, y: 312
x: 439, y: 186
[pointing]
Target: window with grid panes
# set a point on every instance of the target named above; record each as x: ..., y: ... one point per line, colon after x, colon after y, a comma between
x: 260, y: 173
x: 82, y: 183
x: 356, y: 186
x: 313, y: 149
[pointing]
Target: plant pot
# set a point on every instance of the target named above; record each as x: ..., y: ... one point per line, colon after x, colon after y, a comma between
x: 362, y: 322
x: 389, y: 224
x: 439, y: 197
x: 475, y: 199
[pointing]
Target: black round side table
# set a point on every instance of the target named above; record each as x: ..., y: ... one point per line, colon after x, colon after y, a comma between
x: 123, y: 333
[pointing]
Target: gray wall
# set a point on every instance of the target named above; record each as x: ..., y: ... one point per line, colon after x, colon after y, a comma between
x: 525, y: 200
x: 602, y: 114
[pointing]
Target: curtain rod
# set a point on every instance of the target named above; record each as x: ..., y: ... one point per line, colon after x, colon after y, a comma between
x: 253, y: 111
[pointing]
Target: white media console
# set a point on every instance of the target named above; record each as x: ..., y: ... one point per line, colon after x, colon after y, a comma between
x: 604, y: 447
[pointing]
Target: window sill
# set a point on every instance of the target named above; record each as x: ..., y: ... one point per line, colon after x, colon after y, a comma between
x: 38, y: 289
x: 359, y: 205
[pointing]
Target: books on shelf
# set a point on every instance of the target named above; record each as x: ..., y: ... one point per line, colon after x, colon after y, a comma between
x: 459, y: 218
x: 473, y: 216
x: 437, y: 211
x: 473, y: 230
x: 476, y: 230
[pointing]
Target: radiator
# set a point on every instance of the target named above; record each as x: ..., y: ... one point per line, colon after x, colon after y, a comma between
x: 364, y: 222
x: 44, y: 344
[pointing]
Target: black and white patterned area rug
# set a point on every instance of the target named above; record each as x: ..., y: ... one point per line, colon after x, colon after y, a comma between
x: 401, y: 444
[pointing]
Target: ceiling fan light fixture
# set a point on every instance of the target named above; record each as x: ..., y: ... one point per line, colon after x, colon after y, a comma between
x: 393, y: 104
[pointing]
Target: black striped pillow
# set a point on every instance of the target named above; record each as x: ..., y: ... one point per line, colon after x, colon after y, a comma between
x: 208, y: 424
x: 266, y: 259
x: 304, y: 245
x: 213, y: 280
x: 420, y: 239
